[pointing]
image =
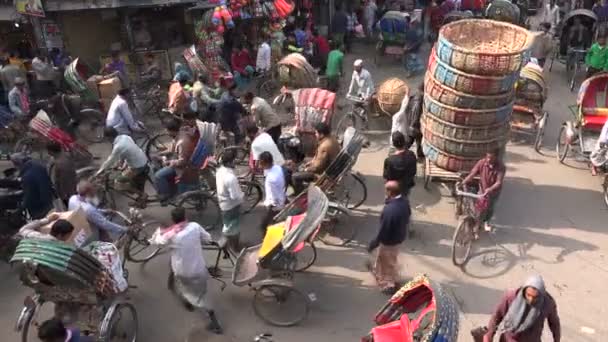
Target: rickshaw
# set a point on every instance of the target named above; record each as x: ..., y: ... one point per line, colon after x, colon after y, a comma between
x: 392, y: 38
x: 528, y: 116
x: 573, y: 56
x: 292, y: 71
x: 269, y: 268
x: 420, y: 311
x: 589, y: 115
x: 83, y: 290
x: 504, y: 10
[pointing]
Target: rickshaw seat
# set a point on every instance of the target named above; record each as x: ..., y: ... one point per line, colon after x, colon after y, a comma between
x: 595, y: 120
x: 397, y: 331
x: 596, y: 111
x: 275, y: 233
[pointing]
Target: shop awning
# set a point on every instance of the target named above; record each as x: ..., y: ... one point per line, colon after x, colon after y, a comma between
x: 72, y: 5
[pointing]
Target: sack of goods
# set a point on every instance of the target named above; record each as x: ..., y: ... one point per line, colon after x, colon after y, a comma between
x: 470, y: 90
x: 390, y: 95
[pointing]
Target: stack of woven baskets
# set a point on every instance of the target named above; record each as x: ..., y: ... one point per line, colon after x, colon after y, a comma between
x: 469, y: 90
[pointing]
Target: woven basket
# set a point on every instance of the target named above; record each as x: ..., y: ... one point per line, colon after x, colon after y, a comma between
x: 463, y: 141
x: 447, y: 161
x: 454, y: 98
x: 390, y: 95
x: 467, y: 117
x: 468, y: 83
x: 484, y: 47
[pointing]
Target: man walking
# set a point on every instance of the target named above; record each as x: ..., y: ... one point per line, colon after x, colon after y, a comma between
x: 401, y: 165
x: 230, y: 197
x: 274, y: 188
x: 63, y: 173
x: 394, y: 222
x: 38, y: 192
x: 523, y: 312
x: 264, y: 116
x: 188, y: 265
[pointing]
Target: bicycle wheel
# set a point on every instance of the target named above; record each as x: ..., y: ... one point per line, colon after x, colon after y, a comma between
x: 306, y: 257
x: 253, y: 195
x: 267, y: 89
x: 201, y: 208
x: 347, y: 120
x: 572, y: 80
x: 138, y: 248
x: 121, y: 325
x: 336, y: 233
x: 32, y: 147
x: 462, y: 241
x: 241, y: 159
x: 91, y: 125
x: 280, y: 305
x: 351, y: 191
x: 157, y: 144
x: 563, y: 146
x: 540, y: 133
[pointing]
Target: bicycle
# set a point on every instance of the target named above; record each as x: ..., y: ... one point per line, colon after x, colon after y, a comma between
x: 356, y: 117
x: 135, y: 242
x: 468, y: 226
x: 574, y: 63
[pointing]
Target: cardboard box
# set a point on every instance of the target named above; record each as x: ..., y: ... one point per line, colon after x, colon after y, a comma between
x: 92, y: 84
x: 82, y: 231
x: 109, y: 88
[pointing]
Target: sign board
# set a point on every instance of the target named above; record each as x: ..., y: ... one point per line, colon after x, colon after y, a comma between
x: 52, y: 35
x: 30, y: 7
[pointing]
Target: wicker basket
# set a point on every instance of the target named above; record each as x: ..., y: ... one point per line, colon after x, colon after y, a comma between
x: 484, y: 47
x: 447, y: 161
x: 454, y: 98
x: 390, y: 95
x: 468, y: 83
x: 467, y: 117
x: 463, y: 141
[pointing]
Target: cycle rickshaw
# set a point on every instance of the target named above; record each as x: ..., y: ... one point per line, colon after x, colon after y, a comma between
x: 589, y: 115
x: 85, y: 292
x: 573, y: 56
x: 392, y: 36
x: 456, y: 15
x: 420, y: 311
x: 504, y: 10
x: 528, y: 116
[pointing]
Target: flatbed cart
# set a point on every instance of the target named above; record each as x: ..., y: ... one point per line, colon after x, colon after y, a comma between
x: 433, y: 173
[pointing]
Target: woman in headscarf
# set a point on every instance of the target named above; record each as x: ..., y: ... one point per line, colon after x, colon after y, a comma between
x: 522, y: 313
x: 182, y: 72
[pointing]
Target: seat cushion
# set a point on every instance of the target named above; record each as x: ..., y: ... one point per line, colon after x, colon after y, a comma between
x: 599, y: 111
x: 595, y: 120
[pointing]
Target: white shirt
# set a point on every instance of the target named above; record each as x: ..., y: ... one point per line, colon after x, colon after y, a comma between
x: 229, y: 193
x: 274, y: 187
x: 124, y: 148
x: 400, y: 120
x: 604, y: 134
x: 120, y: 117
x: 43, y: 71
x: 262, y: 143
x: 551, y: 15
x: 265, y: 116
x: 263, y: 58
x: 187, y: 259
x: 364, y: 83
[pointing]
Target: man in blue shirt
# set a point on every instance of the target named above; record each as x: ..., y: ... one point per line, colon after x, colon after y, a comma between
x: 36, y: 183
x: 53, y: 330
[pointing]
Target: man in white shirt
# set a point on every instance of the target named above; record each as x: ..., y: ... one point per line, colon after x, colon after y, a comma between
x: 274, y: 189
x: 125, y: 149
x: 361, y: 84
x: 229, y: 197
x: 262, y: 142
x: 264, y: 115
x: 119, y: 115
x: 45, y: 76
x: 188, y: 265
x: 263, y: 58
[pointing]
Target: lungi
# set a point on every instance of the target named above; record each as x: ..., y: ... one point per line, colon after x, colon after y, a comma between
x: 193, y: 290
x: 385, y: 269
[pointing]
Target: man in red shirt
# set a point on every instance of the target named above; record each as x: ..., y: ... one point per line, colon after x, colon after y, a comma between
x: 242, y: 68
x: 491, y: 172
x: 320, y: 48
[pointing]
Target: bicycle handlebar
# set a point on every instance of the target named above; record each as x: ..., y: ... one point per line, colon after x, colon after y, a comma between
x: 463, y: 193
x: 355, y: 98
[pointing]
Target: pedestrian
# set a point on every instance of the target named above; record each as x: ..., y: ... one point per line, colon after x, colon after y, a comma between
x: 38, y: 192
x: 230, y: 197
x: 8, y: 74
x: 230, y: 112
x: 181, y: 72
x: 274, y: 189
x: 543, y: 44
x: 263, y: 59
x: 370, y: 17
x: 120, y: 116
x: 551, y: 15
x: 262, y: 142
x: 265, y: 116
x: 401, y: 165
x: 62, y: 172
x: 523, y: 312
x: 338, y: 25
x: 335, y: 67
x: 179, y: 100
x: 351, y: 23
x: 597, y: 57
x: 45, y: 76
x: 53, y: 330
x: 320, y: 51
x: 414, y: 113
x: 414, y: 37
x: 242, y: 65
x: 188, y: 266
x: 394, y: 222
x: 491, y: 172
x: 601, y: 11
x: 152, y: 74
x: 19, y: 100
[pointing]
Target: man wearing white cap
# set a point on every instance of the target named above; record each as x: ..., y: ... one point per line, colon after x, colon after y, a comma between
x: 361, y: 84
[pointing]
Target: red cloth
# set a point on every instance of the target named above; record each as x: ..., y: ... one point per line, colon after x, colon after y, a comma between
x: 472, y: 5
x: 240, y: 60
x: 322, y: 45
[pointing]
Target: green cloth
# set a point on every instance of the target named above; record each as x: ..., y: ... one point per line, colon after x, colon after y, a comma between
x: 597, y: 57
x: 334, y: 63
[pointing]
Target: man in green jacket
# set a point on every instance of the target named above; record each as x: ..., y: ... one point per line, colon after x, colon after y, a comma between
x: 597, y: 57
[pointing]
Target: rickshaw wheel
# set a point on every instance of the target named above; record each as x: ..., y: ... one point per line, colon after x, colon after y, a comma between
x: 91, y: 126
x: 110, y: 324
x: 605, y: 187
x: 351, y: 191
x: 540, y: 132
x: 562, y: 147
x: 30, y: 146
x: 27, y: 325
x: 201, y: 208
x: 306, y: 257
x: 462, y: 241
x: 283, y: 300
x: 253, y: 195
x: 332, y: 233
x: 138, y: 249
x: 267, y: 89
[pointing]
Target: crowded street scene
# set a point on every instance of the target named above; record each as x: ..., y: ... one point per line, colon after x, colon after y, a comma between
x: 303, y: 170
